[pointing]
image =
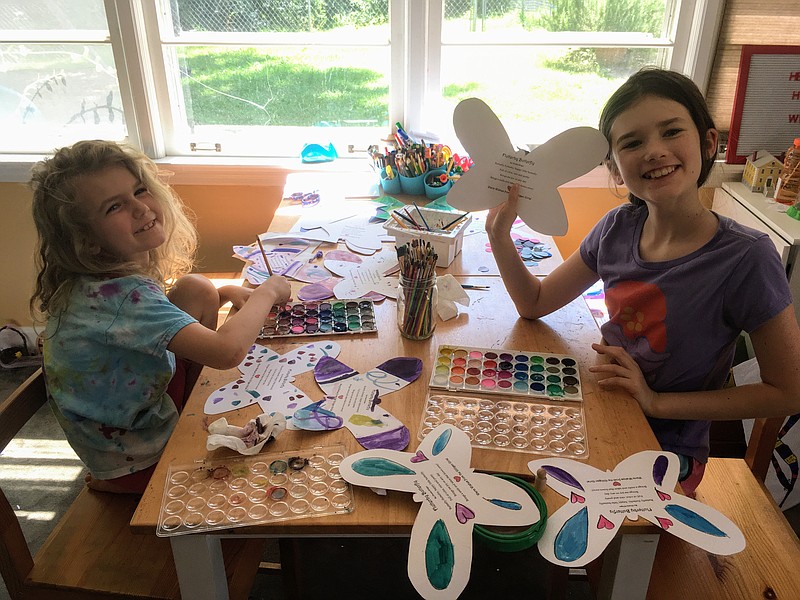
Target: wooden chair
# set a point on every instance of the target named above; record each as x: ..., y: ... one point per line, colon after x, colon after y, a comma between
x: 768, y: 567
x: 92, y: 552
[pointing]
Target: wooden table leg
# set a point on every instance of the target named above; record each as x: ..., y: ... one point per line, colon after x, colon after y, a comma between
x: 200, y: 566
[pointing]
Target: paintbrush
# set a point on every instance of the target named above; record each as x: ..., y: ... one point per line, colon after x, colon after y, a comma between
x: 264, y: 254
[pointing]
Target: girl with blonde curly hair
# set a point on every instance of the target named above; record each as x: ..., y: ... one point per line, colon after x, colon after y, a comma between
x: 114, y: 254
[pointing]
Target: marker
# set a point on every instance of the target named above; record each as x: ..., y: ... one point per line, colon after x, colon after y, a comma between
x: 469, y: 286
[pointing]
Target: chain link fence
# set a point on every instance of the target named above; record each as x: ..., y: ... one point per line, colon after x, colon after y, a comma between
x: 321, y: 15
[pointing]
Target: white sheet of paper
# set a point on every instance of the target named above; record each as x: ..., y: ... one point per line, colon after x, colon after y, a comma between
x: 539, y: 172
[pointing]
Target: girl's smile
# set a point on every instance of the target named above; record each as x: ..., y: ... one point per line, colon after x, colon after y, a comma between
x: 124, y: 217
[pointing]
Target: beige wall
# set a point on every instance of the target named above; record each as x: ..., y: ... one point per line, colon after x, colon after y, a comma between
x: 17, y: 241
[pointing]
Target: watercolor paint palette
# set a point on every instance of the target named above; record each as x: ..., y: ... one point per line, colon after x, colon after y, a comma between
x: 509, y: 372
x: 536, y: 427
x: 247, y: 490
x: 296, y: 319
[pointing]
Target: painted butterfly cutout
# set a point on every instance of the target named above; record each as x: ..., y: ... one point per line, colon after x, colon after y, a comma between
x: 453, y: 498
x: 366, y: 276
x: 539, y: 172
x: 266, y: 379
x: 640, y: 486
x: 353, y: 400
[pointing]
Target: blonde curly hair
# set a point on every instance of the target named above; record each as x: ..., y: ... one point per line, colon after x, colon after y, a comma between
x: 63, y: 250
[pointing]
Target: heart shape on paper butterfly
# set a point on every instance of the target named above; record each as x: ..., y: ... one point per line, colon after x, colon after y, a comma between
x: 663, y: 495
x: 603, y: 523
x: 539, y: 172
x: 419, y: 457
x: 576, y: 498
x: 665, y: 523
x: 463, y: 513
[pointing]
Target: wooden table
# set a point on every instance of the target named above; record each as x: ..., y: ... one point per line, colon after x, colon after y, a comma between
x: 616, y: 428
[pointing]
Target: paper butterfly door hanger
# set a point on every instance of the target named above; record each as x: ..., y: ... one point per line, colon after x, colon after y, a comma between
x: 539, y: 172
x: 598, y: 502
x: 453, y: 498
x: 266, y: 379
x: 353, y: 400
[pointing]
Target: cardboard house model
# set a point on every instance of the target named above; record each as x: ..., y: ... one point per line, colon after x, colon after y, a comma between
x: 761, y: 172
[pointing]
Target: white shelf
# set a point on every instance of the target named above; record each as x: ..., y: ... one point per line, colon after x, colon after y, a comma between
x: 772, y: 213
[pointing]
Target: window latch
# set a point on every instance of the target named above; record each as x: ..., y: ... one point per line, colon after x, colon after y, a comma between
x: 205, y: 147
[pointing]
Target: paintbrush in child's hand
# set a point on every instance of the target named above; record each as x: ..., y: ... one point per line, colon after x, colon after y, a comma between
x: 264, y: 254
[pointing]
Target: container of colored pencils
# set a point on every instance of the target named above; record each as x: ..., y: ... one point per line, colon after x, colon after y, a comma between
x: 417, y: 293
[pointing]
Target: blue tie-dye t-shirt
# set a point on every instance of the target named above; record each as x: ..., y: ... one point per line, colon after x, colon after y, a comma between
x: 107, y: 368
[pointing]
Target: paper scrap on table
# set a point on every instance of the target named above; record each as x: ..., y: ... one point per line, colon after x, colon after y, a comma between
x: 642, y: 485
x: 450, y: 294
x: 247, y: 440
x: 453, y: 498
x: 539, y: 172
x: 334, y: 185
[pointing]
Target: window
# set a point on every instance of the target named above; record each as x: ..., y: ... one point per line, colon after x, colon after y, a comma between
x: 58, y: 81
x: 259, y: 78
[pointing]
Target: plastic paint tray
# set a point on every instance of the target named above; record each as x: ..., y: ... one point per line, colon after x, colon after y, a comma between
x: 507, y: 372
x: 247, y: 490
x: 296, y: 319
x: 447, y: 244
x: 507, y: 424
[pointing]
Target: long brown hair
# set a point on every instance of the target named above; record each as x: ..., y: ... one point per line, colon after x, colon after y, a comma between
x: 63, y: 250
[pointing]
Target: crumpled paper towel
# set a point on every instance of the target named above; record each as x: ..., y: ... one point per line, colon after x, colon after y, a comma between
x: 450, y: 293
x: 246, y: 440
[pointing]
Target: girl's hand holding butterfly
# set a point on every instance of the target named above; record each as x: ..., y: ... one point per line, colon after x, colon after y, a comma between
x: 500, y: 219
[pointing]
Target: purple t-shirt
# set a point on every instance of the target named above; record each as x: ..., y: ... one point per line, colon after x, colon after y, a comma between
x: 679, y: 319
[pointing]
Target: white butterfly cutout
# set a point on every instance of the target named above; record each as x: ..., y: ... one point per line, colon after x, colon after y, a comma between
x: 366, y: 276
x: 266, y: 379
x: 353, y: 400
x: 539, y: 172
x: 453, y: 499
x: 640, y: 486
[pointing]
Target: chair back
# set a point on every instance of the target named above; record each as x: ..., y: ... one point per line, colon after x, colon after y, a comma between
x: 761, y: 445
x: 15, y: 411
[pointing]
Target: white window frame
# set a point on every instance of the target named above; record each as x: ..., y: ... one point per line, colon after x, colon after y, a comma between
x: 416, y: 42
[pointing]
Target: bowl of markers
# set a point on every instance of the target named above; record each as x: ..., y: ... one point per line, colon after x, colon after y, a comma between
x: 416, y: 168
